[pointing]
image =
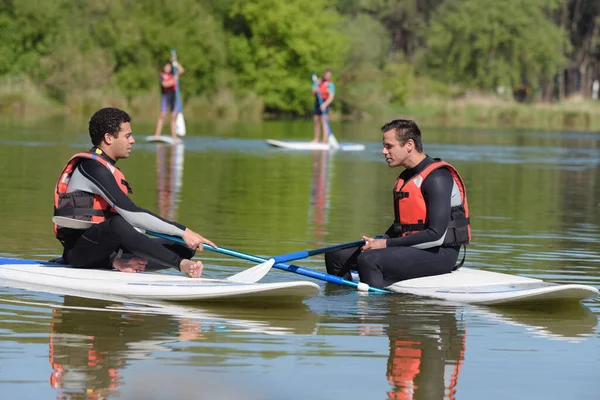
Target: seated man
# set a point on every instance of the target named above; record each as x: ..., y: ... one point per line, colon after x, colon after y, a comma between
x: 431, y: 217
x: 93, y: 193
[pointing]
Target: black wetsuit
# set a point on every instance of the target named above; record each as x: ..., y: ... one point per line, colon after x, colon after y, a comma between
x: 98, y: 246
x: 402, y: 258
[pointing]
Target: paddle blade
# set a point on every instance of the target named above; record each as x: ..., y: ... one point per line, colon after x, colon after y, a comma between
x: 333, y: 141
x: 66, y: 222
x: 254, y: 274
x: 180, y: 125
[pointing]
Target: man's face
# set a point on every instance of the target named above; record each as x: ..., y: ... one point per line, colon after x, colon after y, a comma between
x: 395, y: 154
x: 121, y: 145
x: 327, y: 75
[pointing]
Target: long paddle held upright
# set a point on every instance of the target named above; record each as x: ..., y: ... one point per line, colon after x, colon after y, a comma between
x: 179, y: 121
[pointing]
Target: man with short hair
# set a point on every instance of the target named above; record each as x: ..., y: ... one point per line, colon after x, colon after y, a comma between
x: 91, y: 191
x: 431, y: 217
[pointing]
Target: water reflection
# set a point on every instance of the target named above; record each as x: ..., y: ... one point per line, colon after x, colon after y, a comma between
x: 319, y: 194
x: 571, y: 322
x: 169, y: 175
x: 92, y: 341
x: 426, y: 352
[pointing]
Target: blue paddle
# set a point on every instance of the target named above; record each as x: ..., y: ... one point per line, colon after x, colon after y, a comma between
x: 287, y: 267
x: 332, y: 140
x: 307, y: 253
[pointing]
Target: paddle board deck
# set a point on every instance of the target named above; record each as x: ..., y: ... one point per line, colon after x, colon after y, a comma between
x: 161, y: 139
x: 473, y: 286
x: 158, y: 286
x: 314, y: 146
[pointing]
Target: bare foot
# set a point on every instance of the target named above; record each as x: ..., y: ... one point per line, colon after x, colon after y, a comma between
x: 176, y: 139
x: 134, y: 264
x: 325, y: 141
x: 193, y: 269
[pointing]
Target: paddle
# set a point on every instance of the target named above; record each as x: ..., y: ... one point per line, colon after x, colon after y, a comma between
x: 301, y: 271
x: 180, y: 121
x: 332, y: 140
x: 293, y: 268
x: 250, y: 275
x: 307, y: 253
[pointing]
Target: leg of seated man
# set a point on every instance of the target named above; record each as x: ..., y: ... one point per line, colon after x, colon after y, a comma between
x: 98, y: 246
x: 340, y: 262
x: 383, y: 267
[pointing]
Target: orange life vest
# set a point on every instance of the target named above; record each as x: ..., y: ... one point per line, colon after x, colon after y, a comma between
x: 324, y: 89
x: 411, y: 209
x: 82, y: 205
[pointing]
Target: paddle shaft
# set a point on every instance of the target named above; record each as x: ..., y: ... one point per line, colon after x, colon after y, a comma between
x: 307, y: 253
x: 178, y: 104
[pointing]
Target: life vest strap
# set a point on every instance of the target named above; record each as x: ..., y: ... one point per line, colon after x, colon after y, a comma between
x: 401, y: 195
x: 460, y: 264
x: 78, y: 212
x: 402, y: 228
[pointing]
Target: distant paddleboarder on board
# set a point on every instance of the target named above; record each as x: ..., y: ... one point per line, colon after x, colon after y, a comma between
x: 91, y: 188
x: 168, y: 99
x: 324, y: 92
x: 431, y: 220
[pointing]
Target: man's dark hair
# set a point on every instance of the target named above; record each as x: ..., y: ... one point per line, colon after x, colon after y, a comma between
x: 106, y: 120
x: 405, y: 130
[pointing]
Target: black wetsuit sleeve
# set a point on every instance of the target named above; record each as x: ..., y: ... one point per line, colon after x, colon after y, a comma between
x: 102, y: 182
x: 437, y: 191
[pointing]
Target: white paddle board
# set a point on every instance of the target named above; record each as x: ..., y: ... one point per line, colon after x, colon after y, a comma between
x: 160, y: 139
x: 314, y: 146
x: 157, y: 286
x: 473, y: 286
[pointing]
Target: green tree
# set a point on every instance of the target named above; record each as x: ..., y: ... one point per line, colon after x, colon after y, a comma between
x: 489, y: 43
x: 275, y: 45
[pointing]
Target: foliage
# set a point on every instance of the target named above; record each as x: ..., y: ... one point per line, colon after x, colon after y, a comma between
x: 489, y: 43
x: 248, y: 56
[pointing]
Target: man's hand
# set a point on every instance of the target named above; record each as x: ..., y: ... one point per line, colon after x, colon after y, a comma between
x: 372, y: 244
x: 194, y: 241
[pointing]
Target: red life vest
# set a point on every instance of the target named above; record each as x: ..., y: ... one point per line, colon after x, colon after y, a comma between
x: 168, y: 77
x: 411, y: 209
x: 82, y: 205
x: 324, y: 89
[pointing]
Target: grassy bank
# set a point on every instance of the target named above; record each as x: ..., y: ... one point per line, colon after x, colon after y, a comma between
x: 21, y: 98
x: 574, y: 114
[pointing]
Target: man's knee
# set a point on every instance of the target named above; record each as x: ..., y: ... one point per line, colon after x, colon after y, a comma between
x: 120, y: 226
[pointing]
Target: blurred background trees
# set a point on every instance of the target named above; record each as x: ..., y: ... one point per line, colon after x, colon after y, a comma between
x: 382, y: 52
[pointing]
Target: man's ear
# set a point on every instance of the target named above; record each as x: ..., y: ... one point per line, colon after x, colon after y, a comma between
x: 108, y: 138
x: 410, y: 145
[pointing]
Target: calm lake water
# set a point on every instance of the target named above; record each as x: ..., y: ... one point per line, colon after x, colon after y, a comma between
x: 534, y: 199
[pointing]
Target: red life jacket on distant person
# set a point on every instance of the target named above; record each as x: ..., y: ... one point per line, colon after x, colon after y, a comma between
x: 168, y: 77
x: 324, y: 88
x: 410, y: 207
x: 83, y: 205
